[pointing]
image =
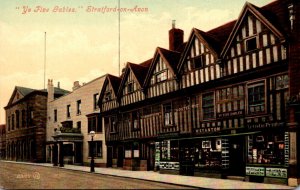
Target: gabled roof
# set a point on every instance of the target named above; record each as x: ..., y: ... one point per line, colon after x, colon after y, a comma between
x: 262, y: 15
x: 24, y: 91
x: 220, y: 35
x: 171, y: 59
x: 114, y: 82
x: 213, y: 39
x: 139, y: 71
x: 277, y: 13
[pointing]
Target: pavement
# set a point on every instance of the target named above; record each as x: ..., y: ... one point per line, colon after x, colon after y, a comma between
x: 189, y: 181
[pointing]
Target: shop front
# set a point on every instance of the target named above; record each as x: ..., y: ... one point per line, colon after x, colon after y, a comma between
x: 191, y: 157
x: 66, y: 148
x: 259, y: 155
x: 268, y: 157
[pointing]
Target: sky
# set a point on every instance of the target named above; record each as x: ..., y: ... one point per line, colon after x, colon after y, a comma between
x: 83, y: 45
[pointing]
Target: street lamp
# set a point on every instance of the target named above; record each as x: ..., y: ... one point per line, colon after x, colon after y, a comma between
x: 92, y: 133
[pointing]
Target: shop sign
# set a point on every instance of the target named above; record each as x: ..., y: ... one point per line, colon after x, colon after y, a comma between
x: 230, y: 114
x: 136, y: 153
x: 185, y: 108
x: 256, y: 171
x: 168, y: 135
x: 264, y: 125
x: 208, y: 130
x: 169, y: 165
x: 127, y: 153
x: 276, y: 172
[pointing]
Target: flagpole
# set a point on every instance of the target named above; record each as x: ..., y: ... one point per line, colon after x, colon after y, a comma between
x: 45, y: 61
x: 119, y: 27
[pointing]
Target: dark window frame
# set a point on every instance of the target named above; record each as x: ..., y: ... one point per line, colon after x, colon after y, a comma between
x: 208, y: 108
x: 55, y: 115
x: 251, y: 44
x: 23, y: 116
x: 68, y: 111
x: 12, y: 122
x: 78, y: 107
x: 113, y: 124
x: 95, y: 124
x: 17, y: 119
x: 78, y: 125
x: 130, y: 87
x: 136, y: 119
x: 256, y: 97
x: 168, y: 115
x: 97, y: 149
x: 96, y: 97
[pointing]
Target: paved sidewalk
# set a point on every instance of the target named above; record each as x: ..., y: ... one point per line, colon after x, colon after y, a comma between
x: 192, y: 181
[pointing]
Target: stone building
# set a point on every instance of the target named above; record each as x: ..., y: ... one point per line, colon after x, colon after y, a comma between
x: 26, y: 114
x: 2, y: 142
x: 70, y: 118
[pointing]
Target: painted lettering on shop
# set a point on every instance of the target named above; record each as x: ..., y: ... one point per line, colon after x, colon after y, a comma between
x: 207, y: 130
x: 230, y: 114
x: 184, y: 108
x: 264, y: 125
x: 276, y: 172
x: 256, y: 171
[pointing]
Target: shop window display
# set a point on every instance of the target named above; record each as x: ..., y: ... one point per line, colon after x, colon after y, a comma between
x: 169, y: 150
x: 208, y: 154
x: 266, y: 149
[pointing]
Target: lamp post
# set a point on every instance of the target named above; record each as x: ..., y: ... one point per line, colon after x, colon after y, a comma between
x: 92, y: 133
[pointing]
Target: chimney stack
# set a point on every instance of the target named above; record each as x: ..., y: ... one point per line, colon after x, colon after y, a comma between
x: 50, y: 90
x: 175, y: 37
x: 58, y: 84
x: 76, y: 85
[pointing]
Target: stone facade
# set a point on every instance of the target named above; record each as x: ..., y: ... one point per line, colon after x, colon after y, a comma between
x: 26, y: 125
x: 82, y: 107
x: 2, y: 142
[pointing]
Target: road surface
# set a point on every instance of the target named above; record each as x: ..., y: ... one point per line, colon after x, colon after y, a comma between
x: 22, y: 176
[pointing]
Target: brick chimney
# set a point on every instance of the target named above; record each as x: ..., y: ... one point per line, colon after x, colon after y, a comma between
x: 293, y: 106
x: 175, y: 37
x: 294, y: 48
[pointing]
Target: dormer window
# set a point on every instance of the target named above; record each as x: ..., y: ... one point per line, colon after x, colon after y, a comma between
x: 130, y: 87
x: 197, y: 62
x: 251, y: 44
x: 162, y: 76
x: 107, y: 96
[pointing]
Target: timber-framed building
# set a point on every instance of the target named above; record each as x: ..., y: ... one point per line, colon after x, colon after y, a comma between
x: 224, y: 103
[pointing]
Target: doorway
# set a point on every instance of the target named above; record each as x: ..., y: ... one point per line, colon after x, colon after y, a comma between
x: 109, y: 156
x: 151, y: 160
x: 120, y: 156
x: 78, y: 152
x: 186, y: 157
x: 237, y: 156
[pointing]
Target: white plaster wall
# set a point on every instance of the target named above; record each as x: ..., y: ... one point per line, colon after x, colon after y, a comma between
x: 85, y: 93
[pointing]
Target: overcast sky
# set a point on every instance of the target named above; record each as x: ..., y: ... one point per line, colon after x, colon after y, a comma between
x: 84, y: 45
